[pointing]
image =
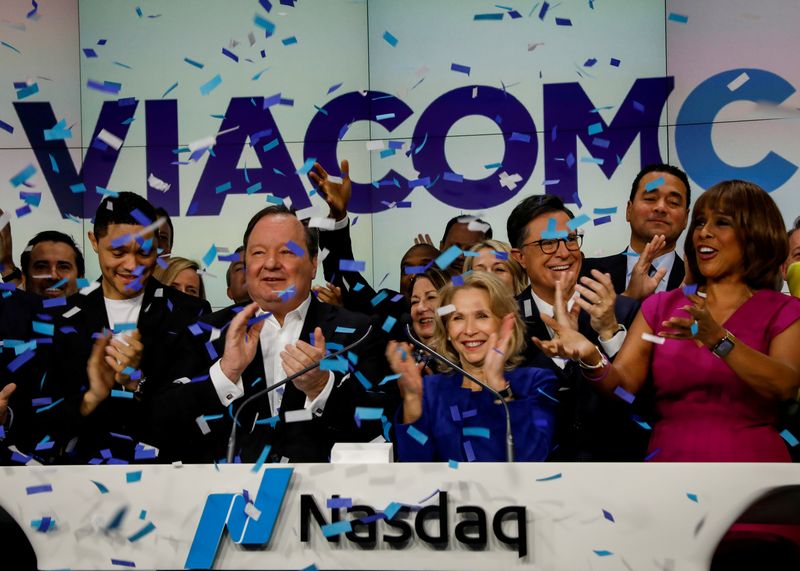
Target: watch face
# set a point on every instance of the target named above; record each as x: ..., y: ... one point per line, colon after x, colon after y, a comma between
x: 723, y: 347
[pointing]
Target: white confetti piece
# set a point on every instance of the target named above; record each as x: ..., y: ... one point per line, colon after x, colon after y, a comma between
x: 110, y: 139
x: 156, y: 183
x: 445, y: 309
x: 300, y: 415
x: 740, y: 80
x: 653, y: 338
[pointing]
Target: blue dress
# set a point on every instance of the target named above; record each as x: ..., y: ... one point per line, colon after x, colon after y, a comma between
x: 465, y: 425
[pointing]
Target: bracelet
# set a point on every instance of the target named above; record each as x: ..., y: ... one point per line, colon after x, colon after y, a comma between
x: 603, y: 361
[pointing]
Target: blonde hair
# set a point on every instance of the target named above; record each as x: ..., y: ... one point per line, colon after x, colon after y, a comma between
x: 175, y: 266
x: 501, y: 303
x: 518, y: 274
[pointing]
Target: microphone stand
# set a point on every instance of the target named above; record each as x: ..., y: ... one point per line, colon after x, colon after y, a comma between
x: 443, y: 359
x: 262, y: 392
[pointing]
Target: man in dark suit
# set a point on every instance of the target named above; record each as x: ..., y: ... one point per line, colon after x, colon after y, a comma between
x: 94, y: 422
x: 280, y: 333
x: 590, y: 427
x: 657, y: 211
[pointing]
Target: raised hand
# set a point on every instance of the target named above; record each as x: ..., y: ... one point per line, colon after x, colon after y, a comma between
x: 641, y: 284
x: 241, y: 343
x: 329, y: 294
x: 5, y: 396
x: 336, y: 194
x: 101, y: 375
x: 423, y: 239
x: 563, y: 315
x: 598, y: 299
x: 300, y: 355
x: 567, y: 342
x: 401, y: 360
x: 496, y: 357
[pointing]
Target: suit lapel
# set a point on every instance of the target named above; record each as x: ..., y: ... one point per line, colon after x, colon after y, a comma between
x: 677, y: 274
x: 619, y: 272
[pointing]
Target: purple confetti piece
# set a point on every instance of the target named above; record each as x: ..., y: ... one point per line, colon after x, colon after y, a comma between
x: 465, y: 69
x: 41, y: 489
x: 470, y: 453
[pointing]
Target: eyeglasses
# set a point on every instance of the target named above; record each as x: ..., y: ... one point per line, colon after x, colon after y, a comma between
x: 573, y: 243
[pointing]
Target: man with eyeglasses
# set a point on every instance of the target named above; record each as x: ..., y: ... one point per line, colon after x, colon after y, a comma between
x: 590, y: 427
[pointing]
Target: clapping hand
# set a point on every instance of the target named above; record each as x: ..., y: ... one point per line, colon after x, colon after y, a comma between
x: 496, y: 357
x: 642, y: 284
x: 567, y: 342
x: 701, y: 326
x: 296, y: 357
x: 598, y: 299
x: 401, y: 360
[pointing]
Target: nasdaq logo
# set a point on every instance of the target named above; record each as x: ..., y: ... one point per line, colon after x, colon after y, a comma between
x: 246, y: 526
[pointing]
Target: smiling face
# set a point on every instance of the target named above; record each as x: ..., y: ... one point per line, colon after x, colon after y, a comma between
x: 424, y: 302
x: 126, y: 266
x: 460, y: 235
x: 658, y: 211
x: 470, y: 326
x: 544, y: 270
x: 487, y: 261
x: 272, y: 267
x: 50, y: 264
x: 720, y: 256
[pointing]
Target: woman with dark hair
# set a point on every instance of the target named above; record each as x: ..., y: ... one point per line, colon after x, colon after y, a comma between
x: 424, y: 301
x: 722, y: 353
x: 448, y: 416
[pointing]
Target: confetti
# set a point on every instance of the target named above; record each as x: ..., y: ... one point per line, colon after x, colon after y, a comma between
x: 448, y: 257
x: 352, y: 266
x: 608, y: 516
x: 740, y: 80
x: 41, y: 489
x: 296, y: 249
x: 477, y: 431
x: 602, y: 552
x: 624, y: 395
x: 261, y: 459
x: 460, y: 68
x: 549, y: 478
x: 578, y: 221
x: 210, y: 85
x: 446, y: 309
x: 133, y: 477
x: 653, y: 338
x: 654, y: 184
x: 680, y: 18
x: 790, y: 438
x: 692, y: 497
x: 390, y: 39
x: 417, y: 435
x: 300, y: 415
x: 337, y: 528
x: 22, y: 176
x: 142, y: 532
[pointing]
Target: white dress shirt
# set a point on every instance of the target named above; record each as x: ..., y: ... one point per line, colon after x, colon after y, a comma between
x: 274, y: 338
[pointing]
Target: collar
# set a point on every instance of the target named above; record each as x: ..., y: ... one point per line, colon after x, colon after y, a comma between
x: 297, y: 314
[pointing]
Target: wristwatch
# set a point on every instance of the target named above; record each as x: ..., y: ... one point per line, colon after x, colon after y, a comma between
x: 724, y: 345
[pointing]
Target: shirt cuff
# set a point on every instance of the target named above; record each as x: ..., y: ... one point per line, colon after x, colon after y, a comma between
x: 340, y: 224
x: 612, y: 346
x: 227, y: 390
x: 317, y: 406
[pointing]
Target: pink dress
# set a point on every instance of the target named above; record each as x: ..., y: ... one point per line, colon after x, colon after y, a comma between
x: 706, y: 413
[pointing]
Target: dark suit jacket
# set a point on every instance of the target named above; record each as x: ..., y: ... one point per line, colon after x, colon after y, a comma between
x: 309, y: 441
x: 118, y: 424
x: 359, y: 296
x: 590, y: 426
x: 617, y: 266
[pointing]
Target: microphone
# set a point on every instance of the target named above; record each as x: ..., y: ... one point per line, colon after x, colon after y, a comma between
x: 290, y: 378
x: 509, y: 435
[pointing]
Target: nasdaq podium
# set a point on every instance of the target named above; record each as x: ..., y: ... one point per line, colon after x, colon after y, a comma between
x: 384, y: 516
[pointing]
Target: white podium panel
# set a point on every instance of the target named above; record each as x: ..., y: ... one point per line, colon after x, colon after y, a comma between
x: 557, y: 516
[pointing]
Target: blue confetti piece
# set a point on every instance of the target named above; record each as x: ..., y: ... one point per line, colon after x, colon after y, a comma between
x: 484, y: 17
x: 352, y: 266
x: 339, y: 503
x: 624, y: 395
x: 611, y: 210
x: 307, y: 166
x: 48, y: 407
x: 196, y: 64
x: 448, y: 257
x: 378, y: 298
x: 77, y: 188
x: 289, y: 41
x: 692, y: 497
x: 363, y: 380
x: 388, y: 324
x: 210, y: 256
x: 6, y: 127
x: 337, y: 528
x: 477, y: 431
x: 592, y: 160
x: 116, y: 393
x: 389, y: 378
x: 210, y: 85
x: 551, y: 233
x: 680, y: 18
x: 296, y: 249
x: 608, y: 516
x: 417, y: 435
x: 563, y: 22
x: 142, y: 532
x: 261, y: 459
x: 578, y: 221
x: 369, y: 413
x: 9, y: 46
x: 602, y: 552
x: 392, y: 509
x: 22, y: 176
x: 549, y: 478
x: 465, y: 69
x: 41, y: 489
x: 43, y: 328
x: 133, y: 477
x: 21, y: 360
x: 654, y: 184
x: 26, y: 92
x: 384, y: 116
x: 789, y: 438
x: 469, y: 451
x: 453, y: 464
x: 390, y: 39
x: 342, y: 329
x: 339, y: 365
x: 594, y: 128
x: 224, y: 187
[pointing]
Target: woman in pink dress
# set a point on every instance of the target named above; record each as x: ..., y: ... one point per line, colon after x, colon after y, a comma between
x: 722, y: 354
